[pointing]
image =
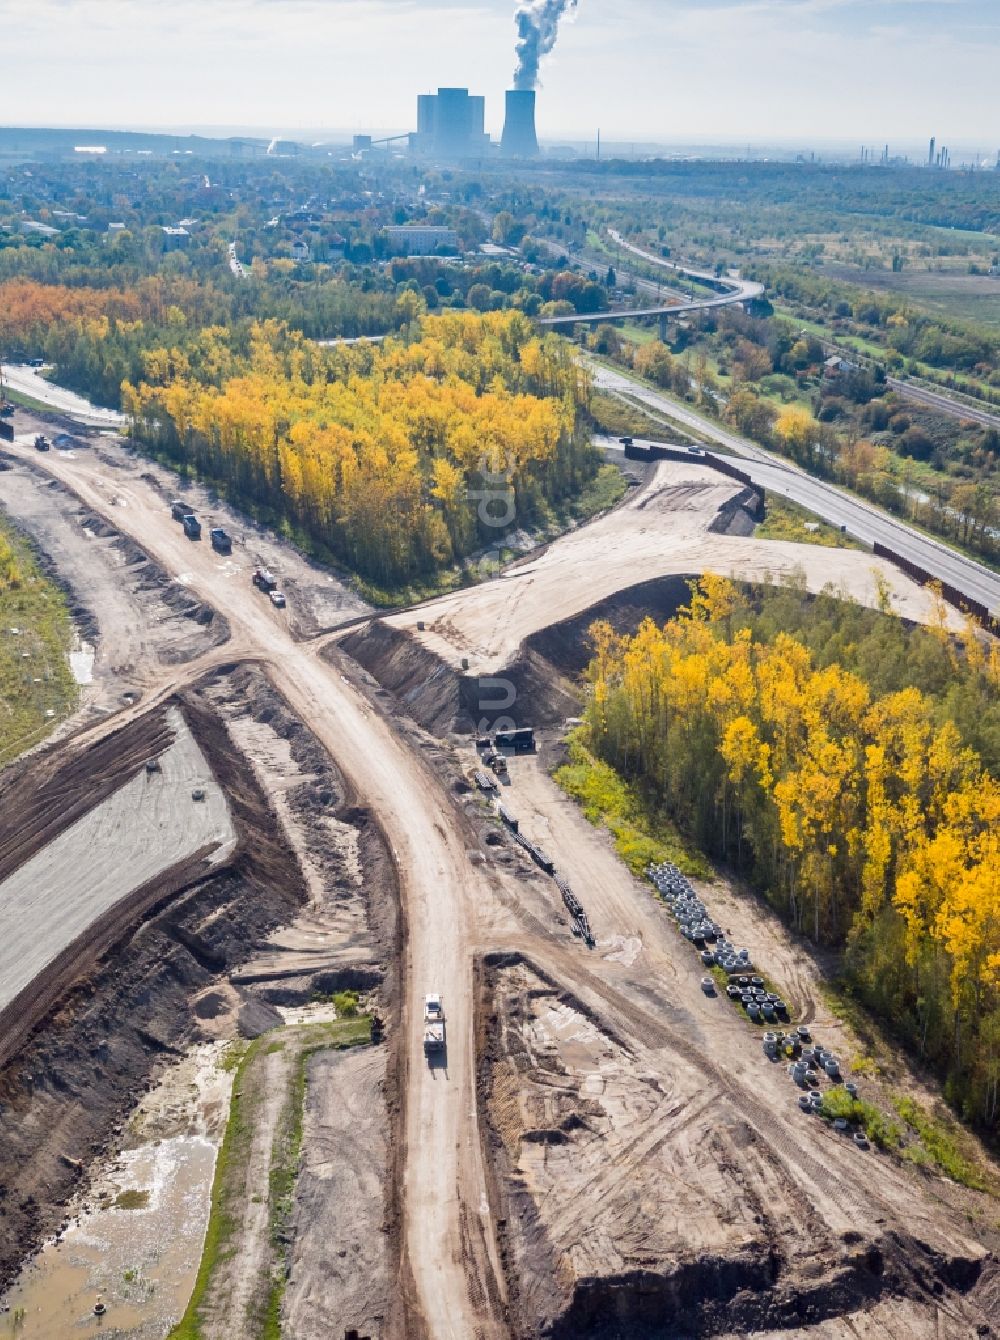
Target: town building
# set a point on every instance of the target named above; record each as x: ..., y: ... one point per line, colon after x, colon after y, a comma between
x: 414, y: 239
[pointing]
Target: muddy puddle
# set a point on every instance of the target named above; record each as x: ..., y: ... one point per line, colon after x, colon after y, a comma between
x: 136, y: 1237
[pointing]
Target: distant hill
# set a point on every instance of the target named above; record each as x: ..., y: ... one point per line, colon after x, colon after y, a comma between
x: 41, y: 142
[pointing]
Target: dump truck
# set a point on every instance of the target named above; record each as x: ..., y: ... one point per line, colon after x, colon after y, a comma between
x: 433, y: 1025
x: 192, y: 527
x: 265, y: 581
x: 221, y: 542
x: 179, y: 510
x: 6, y: 431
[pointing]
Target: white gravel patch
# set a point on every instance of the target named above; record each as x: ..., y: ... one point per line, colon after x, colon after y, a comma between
x: 144, y: 828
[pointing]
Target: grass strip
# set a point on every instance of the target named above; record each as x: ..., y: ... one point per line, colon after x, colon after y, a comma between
x: 880, y: 1129
x: 940, y: 1147
x: 785, y: 520
x: 37, y: 689
x: 641, y: 834
x: 26, y: 401
x: 223, y: 1219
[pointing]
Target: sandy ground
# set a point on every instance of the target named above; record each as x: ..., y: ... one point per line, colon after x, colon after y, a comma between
x: 332, y: 930
x: 241, y: 1278
x: 338, y: 1267
x: 340, y: 1245
x: 693, y: 1130
x: 661, y: 530
x: 859, y: 517
x: 147, y: 826
x: 133, y: 628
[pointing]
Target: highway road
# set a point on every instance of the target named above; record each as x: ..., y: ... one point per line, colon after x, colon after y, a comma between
x: 746, y: 288
x: 861, y: 519
x: 938, y: 400
x: 692, y: 1058
x: 30, y: 382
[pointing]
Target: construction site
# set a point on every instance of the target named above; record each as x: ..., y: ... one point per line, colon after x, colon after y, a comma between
x: 270, y: 830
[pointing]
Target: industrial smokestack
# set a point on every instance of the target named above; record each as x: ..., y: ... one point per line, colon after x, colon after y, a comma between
x: 519, y: 137
x: 537, y: 29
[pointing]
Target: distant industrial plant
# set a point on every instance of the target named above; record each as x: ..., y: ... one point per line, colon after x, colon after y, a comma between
x: 451, y: 124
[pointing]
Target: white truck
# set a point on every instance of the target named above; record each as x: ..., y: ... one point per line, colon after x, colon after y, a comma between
x: 433, y: 1025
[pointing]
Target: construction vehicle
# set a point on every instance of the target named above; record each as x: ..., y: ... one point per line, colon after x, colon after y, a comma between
x: 433, y: 1025
x: 41, y: 442
x: 179, y: 510
x: 6, y: 431
x: 265, y: 581
x: 221, y: 542
x: 192, y: 527
x: 521, y: 740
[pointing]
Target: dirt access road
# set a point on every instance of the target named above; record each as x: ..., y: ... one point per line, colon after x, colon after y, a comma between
x: 447, y: 1252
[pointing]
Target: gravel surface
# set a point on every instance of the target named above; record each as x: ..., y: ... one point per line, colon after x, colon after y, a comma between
x: 662, y: 530
x: 147, y: 826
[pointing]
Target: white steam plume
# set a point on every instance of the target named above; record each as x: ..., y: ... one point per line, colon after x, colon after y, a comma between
x: 537, y: 29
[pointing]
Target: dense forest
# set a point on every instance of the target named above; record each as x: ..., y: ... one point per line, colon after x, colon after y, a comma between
x: 379, y: 455
x: 847, y: 792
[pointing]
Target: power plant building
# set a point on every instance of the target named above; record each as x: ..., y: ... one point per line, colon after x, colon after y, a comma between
x: 451, y: 124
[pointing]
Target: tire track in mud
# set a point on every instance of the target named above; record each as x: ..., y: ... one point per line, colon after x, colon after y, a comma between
x: 657, y: 1035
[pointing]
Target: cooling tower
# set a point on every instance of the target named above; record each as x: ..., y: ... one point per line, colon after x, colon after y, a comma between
x: 519, y: 137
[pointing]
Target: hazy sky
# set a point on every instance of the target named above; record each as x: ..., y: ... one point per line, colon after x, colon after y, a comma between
x: 680, y: 70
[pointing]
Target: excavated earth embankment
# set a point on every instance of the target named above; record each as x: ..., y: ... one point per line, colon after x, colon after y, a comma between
x: 540, y: 684
x: 83, y: 1041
